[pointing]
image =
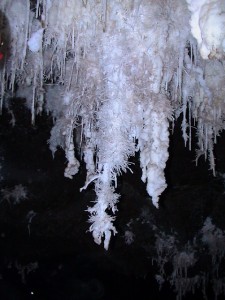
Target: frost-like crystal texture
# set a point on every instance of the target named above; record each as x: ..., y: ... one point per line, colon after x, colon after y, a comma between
x: 114, y: 75
x: 35, y: 42
x: 207, y: 26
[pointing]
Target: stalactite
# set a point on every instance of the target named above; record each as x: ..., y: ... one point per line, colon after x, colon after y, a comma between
x: 121, y: 70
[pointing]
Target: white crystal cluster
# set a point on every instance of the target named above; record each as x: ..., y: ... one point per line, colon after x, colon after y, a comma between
x: 114, y: 75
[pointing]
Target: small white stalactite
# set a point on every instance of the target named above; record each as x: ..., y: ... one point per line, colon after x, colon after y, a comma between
x: 26, y: 32
x: 73, y: 164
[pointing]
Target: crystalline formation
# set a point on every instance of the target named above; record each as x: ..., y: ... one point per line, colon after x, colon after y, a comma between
x: 115, y: 75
